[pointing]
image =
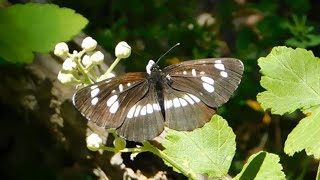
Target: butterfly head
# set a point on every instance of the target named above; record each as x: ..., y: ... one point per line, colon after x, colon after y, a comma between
x: 151, y: 66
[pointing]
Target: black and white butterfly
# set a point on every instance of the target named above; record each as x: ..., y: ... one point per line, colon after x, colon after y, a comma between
x: 182, y: 97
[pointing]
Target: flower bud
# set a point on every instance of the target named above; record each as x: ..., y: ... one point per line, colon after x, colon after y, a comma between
x: 123, y: 50
x: 97, y: 57
x: 61, y: 49
x: 86, y: 60
x: 69, y: 65
x: 89, y: 44
x: 94, y: 142
x: 66, y: 78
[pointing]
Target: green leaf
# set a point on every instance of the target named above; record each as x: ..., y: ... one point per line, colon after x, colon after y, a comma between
x: 291, y: 78
x: 29, y: 28
x: 306, y: 136
x: 262, y: 165
x: 207, y: 150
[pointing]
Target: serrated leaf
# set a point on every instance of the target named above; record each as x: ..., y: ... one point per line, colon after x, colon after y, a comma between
x: 291, y: 78
x: 262, y: 165
x: 306, y: 136
x: 208, y: 150
x: 29, y: 28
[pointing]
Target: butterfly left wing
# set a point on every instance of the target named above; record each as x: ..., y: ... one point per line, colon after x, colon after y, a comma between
x: 212, y: 80
x: 195, y: 88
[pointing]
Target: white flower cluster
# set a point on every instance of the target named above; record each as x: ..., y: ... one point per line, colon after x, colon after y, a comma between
x: 77, y: 62
x: 77, y: 67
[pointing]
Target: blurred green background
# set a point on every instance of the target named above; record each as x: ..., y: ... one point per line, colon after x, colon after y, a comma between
x: 243, y: 29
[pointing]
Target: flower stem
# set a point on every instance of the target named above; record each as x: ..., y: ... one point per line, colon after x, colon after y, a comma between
x: 105, y: 75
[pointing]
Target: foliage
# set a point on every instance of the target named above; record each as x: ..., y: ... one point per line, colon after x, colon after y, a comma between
x: 291, y: 80
x: 25, y: 29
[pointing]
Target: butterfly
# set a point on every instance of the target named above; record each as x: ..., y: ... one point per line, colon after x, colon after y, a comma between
x: 182, y: 97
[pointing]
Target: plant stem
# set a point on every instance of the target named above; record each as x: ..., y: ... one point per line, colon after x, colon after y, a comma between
x: 87, y: 79
x: 105, y: 75
x: 168, y: 159
x: 318, y: 173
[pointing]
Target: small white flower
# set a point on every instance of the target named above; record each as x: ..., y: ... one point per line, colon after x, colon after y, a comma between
x: 86, y: 60
x: 94, y: 142
x: 206, y: 19
x: 97, y: 57
x: 61, y: 49
x: 89, y: 44
x: 69, y: 65
x: 66, y: 78
x: 123, y: 50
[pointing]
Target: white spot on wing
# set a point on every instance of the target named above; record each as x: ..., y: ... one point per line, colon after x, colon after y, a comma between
x: 195, y: 98
x: 94, y: 86
x: 128, y: 84
x: 131, y: 112
x: 156, y: 107
x: 193, y: 72
x: 149, y: 109
x: 137, y: 111
x: 111, y: 100
x: 94, y: 92
x: 218, y: 61
x: 186, y: 97
x: 219, y: 66
x: 176, y: 102
x: 168, y: 104
x: 184, y: 72
x: 208, y: 87
x: 120, y: 87
x: 143, y: 111
x: 94, y: 101
x: 183, y: 102
x: 207, y: 79
x: 202, y: 73
x: 114, y: 107
x: 224, y: 74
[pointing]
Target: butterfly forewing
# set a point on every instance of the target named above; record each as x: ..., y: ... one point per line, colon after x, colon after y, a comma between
x: 211, y: 80
x: 107, y: 103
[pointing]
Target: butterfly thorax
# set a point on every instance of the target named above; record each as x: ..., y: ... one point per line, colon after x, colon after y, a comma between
x: 156, y: 79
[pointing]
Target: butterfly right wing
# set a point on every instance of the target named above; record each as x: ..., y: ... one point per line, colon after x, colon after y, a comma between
x: 127, y: 103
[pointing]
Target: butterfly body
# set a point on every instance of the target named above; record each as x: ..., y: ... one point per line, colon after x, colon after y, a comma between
x: 181, y: 96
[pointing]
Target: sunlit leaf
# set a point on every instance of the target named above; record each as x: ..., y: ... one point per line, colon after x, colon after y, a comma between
x: 291, y: 79
x: 262, y: 165
x: 29, y: 28
x: 207, y: 150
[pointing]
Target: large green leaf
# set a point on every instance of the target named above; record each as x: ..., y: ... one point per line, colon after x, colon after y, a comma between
x: 207, y: 150
x: 29, y: 28
x: 306, y: 136
x: 262, y: 165
x: 291, y: 78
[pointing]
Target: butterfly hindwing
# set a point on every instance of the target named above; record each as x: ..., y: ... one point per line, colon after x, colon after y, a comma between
x: 184, y: 111
x: 144, y: 120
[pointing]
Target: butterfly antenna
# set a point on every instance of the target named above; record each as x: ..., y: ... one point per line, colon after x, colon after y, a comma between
x: 167, y: 52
